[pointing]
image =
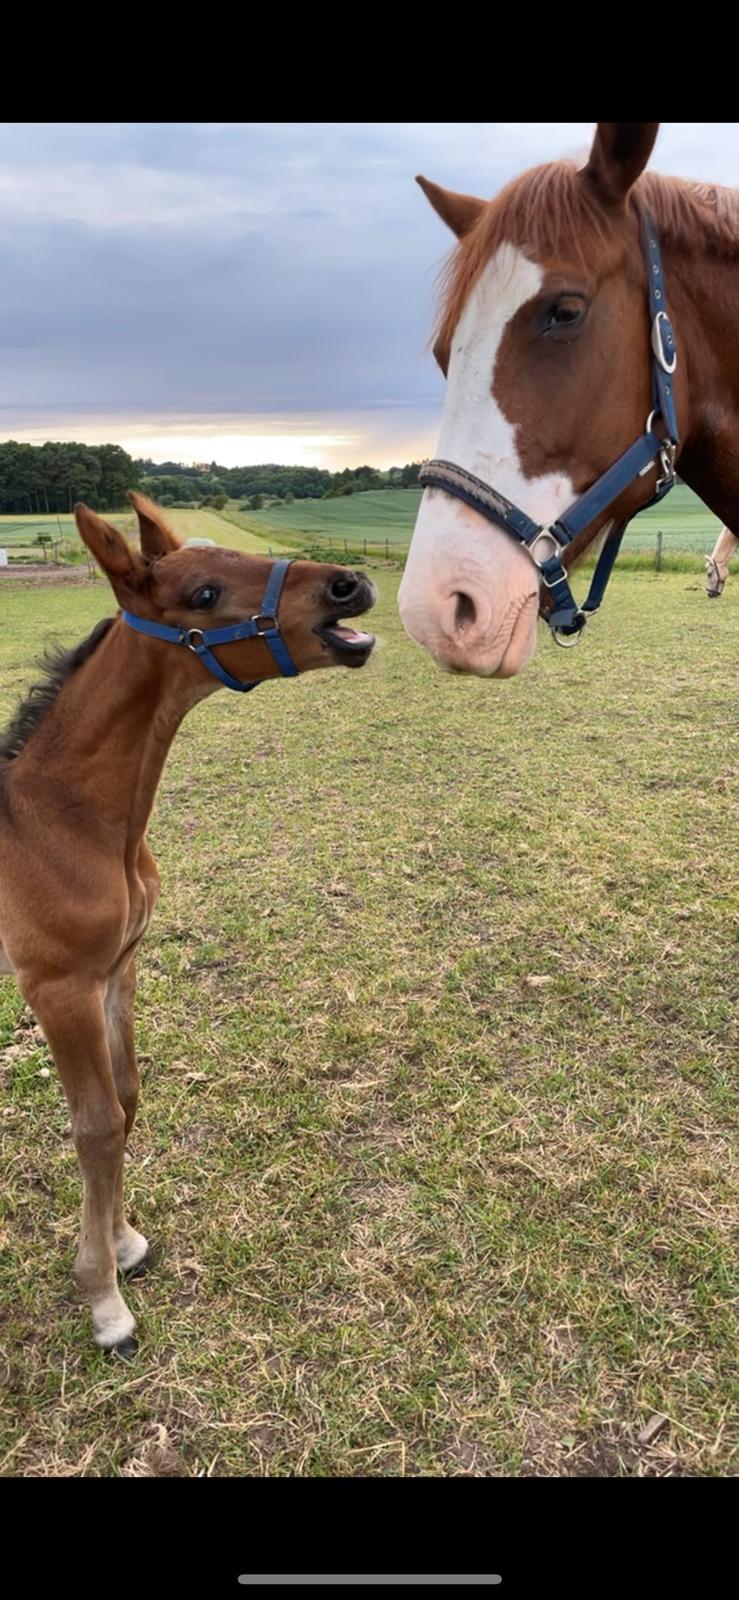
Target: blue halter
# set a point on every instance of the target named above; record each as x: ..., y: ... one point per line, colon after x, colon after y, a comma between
x: 263, y: 626
x: 566, y: 619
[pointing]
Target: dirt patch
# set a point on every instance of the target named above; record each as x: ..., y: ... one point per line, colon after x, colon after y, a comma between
x: 42, y: 576
x: 608, y: 1451
x: 158, y: 1457
x: 472, y: 1459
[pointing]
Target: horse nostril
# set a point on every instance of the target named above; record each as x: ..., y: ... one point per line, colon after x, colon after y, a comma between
x: 465, y: 613
x: 342, y: 589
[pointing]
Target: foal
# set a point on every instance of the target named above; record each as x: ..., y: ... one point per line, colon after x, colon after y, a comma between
x: 79, y: 769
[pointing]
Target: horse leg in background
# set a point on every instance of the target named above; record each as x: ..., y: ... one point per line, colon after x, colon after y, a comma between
x: 717, y: 563
x: 71, y: 1014
x: 131, y: 1248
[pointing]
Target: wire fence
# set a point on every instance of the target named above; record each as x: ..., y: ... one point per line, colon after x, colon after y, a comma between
x: 644, y: 548
x: 654, y: 548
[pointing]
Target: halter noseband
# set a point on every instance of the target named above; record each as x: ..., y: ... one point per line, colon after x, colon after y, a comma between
x: 565, y: 618
x: 262, y: 626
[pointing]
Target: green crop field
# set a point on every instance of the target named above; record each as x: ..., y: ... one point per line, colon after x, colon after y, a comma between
x: 438, y: 1030
x: 390, y: 514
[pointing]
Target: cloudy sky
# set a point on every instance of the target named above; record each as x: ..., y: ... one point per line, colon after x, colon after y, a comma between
x: 248, y: 291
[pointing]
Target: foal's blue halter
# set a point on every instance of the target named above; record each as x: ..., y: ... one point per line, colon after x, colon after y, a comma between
x: 566, y: 619
x: 263, y: 626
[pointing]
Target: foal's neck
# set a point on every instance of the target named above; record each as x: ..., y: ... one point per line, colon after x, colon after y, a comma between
x: 104, y: 741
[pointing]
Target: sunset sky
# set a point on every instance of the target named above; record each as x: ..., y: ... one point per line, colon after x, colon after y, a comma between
x: 248, y: 291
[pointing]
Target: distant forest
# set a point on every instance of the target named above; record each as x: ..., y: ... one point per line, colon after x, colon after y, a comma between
x: 52, y: 477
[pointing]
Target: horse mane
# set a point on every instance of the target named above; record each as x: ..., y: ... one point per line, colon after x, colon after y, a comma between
x: 550, y: 211
x: 57, y: 666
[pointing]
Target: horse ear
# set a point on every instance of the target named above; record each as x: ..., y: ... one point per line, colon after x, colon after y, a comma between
x: 619, y: 155
x: 157, y: 538
x: 459, y: 211
x: 111, y: 551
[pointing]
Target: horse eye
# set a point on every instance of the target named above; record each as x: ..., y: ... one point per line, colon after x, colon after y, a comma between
x: 204, y: 599
x: 564, y: 314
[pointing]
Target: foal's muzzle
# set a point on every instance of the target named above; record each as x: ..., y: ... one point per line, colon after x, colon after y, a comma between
x: 348, y: 595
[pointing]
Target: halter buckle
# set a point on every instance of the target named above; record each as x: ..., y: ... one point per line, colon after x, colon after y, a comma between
x: 662, y: 336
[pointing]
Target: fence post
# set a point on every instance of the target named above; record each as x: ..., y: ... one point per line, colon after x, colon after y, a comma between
x: 346, y: 548
x: 658, y: 556
x: 365, y: 544
x: 387, y: 552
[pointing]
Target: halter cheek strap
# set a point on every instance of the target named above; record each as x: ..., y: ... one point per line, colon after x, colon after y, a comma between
x: 262, y: 626
x: 565, y: 618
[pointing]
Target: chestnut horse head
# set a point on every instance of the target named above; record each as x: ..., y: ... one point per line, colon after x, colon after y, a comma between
x: 246, y: 617
x: 544, y: 338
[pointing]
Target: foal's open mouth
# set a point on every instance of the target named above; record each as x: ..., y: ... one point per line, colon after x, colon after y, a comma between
x: 351, y: 646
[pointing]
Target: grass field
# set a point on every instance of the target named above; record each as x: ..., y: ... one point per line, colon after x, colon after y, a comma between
x: 438, y: 1028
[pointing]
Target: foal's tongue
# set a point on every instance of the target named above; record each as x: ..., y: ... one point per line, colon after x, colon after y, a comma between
x: 352, y: 635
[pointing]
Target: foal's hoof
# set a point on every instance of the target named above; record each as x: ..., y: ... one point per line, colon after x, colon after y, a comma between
x: 127, y: 1348
x: 143, y: 1266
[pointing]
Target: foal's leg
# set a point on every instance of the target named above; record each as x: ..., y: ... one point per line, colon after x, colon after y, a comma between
x: 131, y: 1248
x: 717, y: 563
x: 72, y: 1018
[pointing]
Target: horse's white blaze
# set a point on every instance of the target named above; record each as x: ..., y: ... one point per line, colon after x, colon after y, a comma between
x: 474, y: 432
x: 455, y: 550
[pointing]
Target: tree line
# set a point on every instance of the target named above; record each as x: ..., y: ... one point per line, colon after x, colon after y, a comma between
x: 171, y: 484
x: 52, y: 477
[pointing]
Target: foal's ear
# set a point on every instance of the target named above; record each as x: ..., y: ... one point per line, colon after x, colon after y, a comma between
x: 157, y: 538
x: 111, y: 551
x: 619, y: 155
x: 459, y: 211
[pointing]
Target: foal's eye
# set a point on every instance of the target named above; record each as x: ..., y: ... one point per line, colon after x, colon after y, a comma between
x: 563, y: 315
x: 204, y: 599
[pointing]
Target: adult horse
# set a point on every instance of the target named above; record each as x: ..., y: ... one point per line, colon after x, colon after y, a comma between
x: 717, y: 564
x: 79, y: 770
x: 572, y: 395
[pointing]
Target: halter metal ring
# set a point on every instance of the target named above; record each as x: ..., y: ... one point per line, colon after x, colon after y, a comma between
x: 546, y: 533
x: 566, y: 641
x: 189, y: 639
x: 269, y: 622
x: 667, y: 462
